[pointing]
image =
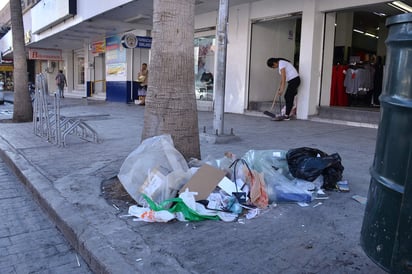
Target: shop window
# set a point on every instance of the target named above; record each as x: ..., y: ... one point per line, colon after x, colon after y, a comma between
x: 204, y: 64
x: 6, y: 77
x: 80, y: 71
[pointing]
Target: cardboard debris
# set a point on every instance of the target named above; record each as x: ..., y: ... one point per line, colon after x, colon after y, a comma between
x: 359, y: 199
x: 204, y: 181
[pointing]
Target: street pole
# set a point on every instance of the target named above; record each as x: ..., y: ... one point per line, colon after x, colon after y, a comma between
x: 220, y: 68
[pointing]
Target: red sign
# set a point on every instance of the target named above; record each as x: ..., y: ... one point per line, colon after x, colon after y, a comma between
x: 45, y: 54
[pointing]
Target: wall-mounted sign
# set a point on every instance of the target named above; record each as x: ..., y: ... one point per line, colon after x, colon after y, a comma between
x: 98, y: 47
x: 45, y: 54
x: 144, y: 42
x: 27, y: 37
x: 115, y: 59
x: 129, y: 41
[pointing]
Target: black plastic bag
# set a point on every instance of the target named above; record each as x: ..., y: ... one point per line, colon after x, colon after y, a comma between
x: 309, y: 163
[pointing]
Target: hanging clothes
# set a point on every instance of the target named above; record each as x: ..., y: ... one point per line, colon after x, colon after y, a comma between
x: 356, y: 80
x: 338, y: 96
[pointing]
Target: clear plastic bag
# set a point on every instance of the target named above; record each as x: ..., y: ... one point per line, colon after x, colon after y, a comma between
x: 280, y: 184
x: 155, y: 156
x: 268, y: 161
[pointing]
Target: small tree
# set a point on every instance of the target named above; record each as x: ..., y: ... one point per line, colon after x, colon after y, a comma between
x: 22, y: 108
x: 171, y: 106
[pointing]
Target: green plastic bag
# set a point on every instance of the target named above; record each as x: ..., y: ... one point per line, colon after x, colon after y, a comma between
x: 178, y: 206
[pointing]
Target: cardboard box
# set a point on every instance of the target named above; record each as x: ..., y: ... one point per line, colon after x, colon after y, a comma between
x: 204, y: 181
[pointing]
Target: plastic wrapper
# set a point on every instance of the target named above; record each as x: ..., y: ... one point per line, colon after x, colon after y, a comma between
x: 180, y: 208
x: 154, y: 168
x: 149, y: 215
x: 280, y: 185
x: 268, y: 161
x: 221, y: 163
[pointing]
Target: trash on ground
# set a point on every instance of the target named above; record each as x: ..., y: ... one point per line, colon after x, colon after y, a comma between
x: 204, y: 181
x: 156, y: 168
x: 309, y: 163
x: 167, y: 188
x: 149, y: 215
x: 343, y: 186
x: 318, y: 204
x: 360, y: 199
x: 301, y: 204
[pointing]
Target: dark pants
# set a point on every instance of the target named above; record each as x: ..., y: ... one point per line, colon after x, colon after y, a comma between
x: 291, y: 92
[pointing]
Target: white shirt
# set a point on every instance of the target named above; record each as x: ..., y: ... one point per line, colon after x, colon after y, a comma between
x: 290, y: 70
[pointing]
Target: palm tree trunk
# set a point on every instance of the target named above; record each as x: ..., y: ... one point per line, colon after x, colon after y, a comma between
x: 22, y: 109
x: 171, y: 106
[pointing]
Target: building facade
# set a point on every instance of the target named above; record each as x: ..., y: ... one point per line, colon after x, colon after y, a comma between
x: 100, y: 46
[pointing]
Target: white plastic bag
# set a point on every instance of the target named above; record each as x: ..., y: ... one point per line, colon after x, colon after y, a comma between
x: 147, y: 215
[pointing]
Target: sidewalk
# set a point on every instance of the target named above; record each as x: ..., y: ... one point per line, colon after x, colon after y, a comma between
x: 287, y: 238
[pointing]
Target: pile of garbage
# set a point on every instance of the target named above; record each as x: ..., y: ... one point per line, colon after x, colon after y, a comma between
x: 166, y: 187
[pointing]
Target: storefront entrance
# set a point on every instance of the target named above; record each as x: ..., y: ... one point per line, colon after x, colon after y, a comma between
x: 277, y: 37
x: 353, y: 70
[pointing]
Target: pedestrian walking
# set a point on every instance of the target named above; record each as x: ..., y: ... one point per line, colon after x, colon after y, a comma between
x: 61, y: 82
x: 289, y: 75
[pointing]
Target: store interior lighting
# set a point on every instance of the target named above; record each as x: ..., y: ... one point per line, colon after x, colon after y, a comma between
x: 401, y: 6
x: 366, y: 33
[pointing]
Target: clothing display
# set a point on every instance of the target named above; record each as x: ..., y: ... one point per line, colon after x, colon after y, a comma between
x: 338, y: 96
x: 359, y: 79
x: 353, y: 84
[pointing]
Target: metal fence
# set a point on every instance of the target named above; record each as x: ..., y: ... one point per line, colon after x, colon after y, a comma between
x: 48, y: 123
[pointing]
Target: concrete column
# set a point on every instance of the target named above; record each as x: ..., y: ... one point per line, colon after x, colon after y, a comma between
x: 328, y: 49
x: 310, y: 59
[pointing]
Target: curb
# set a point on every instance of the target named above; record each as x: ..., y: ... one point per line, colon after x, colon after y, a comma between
x: 100, y: 256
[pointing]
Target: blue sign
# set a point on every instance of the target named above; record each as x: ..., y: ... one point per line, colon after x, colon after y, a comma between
x: 144, y: 42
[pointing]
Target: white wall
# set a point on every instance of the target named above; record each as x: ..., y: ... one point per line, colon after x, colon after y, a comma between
x: 206, y: 20
x: 274, y: 8
x: 237, y: 59
x: 6, y: 44
x: 85, y: 10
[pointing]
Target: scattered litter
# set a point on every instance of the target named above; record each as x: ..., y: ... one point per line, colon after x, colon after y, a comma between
x: 229, y: 189
x: 318, y: 204
x: 115, y: 206
x: 138, y: 260
x: 302, y: 204
x: 321, y: 198
x: 78, y: 262
x: 252, y: 213
x: 204, y: 181
x: 359, y: 199
x: 309, y: 245
x: 148, y: 215
x: 343, y: 186
x: 227, y: 216
x: 320, y: 195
